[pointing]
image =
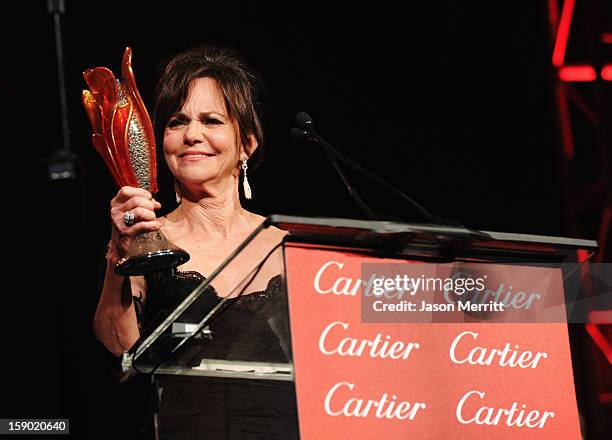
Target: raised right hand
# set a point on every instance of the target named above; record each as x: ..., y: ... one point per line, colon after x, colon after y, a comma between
x: 139, y: 202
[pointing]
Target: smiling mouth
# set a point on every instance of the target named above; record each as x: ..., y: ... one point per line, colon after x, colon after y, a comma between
x: 195, y: 154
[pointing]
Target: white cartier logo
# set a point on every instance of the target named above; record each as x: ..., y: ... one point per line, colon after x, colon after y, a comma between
x: 512, y: 416
x: 333, y: 341
x: 461, y: 352
x: 339, y: 403
x: 340, y: 286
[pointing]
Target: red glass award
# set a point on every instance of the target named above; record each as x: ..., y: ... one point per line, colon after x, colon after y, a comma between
x: 123, y: 135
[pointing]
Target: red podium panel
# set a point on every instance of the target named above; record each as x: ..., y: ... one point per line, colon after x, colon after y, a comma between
x: 418, y: 380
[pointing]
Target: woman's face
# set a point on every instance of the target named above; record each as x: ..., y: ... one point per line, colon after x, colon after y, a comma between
x: 200, y: 141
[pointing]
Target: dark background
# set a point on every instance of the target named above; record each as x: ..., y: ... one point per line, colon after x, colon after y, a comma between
x: 450, y: 101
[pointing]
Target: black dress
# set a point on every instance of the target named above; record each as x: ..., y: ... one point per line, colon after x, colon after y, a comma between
x: 197, y: 407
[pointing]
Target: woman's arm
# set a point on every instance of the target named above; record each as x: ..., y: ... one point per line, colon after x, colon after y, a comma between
x: 115, y: 323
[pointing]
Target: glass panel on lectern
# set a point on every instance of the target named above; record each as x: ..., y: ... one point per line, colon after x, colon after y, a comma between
x: 233, y: 324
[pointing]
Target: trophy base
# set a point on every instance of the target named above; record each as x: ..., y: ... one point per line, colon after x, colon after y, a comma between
x: 151, y: 262
x: 150, y: 252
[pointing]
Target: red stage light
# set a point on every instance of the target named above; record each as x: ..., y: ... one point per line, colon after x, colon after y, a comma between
x: 577, y: 73
x: 598, y: 318
x: 563, y: 32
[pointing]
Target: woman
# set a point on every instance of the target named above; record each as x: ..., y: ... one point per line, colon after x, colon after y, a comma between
x: 207, y: 120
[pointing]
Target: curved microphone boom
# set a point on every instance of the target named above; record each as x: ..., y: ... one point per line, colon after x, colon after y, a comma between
x: 305, y: 130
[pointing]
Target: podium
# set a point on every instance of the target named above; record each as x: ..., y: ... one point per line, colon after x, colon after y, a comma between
x: 373, y: 350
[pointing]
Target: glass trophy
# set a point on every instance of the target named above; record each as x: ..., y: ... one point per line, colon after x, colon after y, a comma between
x: 123, y: 135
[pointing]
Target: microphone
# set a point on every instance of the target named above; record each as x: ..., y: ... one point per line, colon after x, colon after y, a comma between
x: 298, y: 134
x: 306, y: 131
x: 303, y: 120
x: 306, y: 127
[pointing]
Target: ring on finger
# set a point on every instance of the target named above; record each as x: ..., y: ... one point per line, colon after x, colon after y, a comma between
x: 129, y: 218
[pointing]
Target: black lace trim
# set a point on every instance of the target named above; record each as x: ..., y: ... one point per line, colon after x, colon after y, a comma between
x: 251, y: 298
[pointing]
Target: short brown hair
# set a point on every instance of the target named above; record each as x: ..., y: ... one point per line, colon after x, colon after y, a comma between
x: 240, y: 87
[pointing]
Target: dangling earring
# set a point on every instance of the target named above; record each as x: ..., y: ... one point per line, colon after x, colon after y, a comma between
x: 245, y: 182
x: 177, y: 192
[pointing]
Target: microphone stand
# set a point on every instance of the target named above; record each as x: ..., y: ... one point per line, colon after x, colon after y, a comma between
x: 330, y: 151
x: 62, y: 162
x: 307, y: 131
